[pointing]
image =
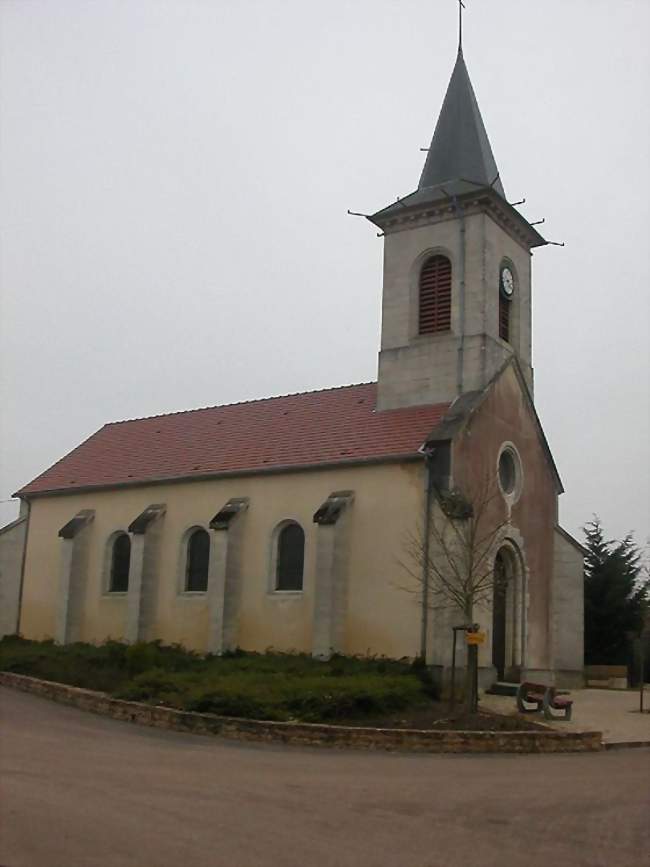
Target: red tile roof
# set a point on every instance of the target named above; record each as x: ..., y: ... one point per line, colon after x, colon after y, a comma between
x: 333, y: 426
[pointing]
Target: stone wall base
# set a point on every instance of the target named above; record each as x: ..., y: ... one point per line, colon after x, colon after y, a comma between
x: 487, y: 675
x: 308, y: 734
x: 538, y: 675
x: 566, y: 679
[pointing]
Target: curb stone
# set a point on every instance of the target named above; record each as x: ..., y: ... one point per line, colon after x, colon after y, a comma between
x: 307, y: 734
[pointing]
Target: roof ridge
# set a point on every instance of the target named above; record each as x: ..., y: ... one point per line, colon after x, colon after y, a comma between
x: 238, y: 403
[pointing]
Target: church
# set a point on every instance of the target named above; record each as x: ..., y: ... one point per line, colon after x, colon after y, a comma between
x: 316, y: 522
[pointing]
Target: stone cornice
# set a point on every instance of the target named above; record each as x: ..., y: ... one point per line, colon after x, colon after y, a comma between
x: 504, y: 214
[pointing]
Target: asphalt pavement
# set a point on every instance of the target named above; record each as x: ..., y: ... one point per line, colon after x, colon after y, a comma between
x: 78, y: 790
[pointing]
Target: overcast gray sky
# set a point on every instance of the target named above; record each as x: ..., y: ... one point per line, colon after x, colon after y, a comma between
x: 174, y: 184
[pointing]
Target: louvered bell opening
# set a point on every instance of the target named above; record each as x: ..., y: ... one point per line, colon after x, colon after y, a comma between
x: 504, y: 318
x: 435, y: 295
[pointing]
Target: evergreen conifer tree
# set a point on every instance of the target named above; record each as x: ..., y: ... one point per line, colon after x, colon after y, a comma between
x: 615, y: 596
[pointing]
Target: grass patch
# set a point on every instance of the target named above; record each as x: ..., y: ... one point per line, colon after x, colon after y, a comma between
x: 271, y: 686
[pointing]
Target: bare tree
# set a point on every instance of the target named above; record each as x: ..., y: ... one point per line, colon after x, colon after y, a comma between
x: 452, y: 562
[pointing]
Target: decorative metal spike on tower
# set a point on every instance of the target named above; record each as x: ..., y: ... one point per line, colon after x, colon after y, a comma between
x: 461, y: 6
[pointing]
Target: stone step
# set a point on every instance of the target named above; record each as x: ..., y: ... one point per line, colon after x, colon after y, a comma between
x: 502, y: 687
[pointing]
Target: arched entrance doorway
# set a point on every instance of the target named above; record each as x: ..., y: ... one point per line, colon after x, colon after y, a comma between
x: 507, y: 619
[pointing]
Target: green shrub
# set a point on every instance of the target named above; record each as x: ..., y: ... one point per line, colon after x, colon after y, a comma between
x: 351, y: 697
x: 155, y: 685
x: 423, y: 673
x: 282, y: 697
x: 231, y: 703
x: 273, y: 686
x: 144, y: 655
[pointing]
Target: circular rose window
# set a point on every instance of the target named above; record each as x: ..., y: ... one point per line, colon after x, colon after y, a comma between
x: 509, y: 473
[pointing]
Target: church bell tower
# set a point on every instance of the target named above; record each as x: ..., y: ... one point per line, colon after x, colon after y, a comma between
x: 457, y: 267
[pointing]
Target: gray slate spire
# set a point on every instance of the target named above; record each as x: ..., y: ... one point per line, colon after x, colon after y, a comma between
x: 460, y: 149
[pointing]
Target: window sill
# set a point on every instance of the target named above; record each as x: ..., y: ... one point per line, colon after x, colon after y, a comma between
x: 286, y: 593
x: 192, y: 594
x: 432, y: 336
x: 115, y: 594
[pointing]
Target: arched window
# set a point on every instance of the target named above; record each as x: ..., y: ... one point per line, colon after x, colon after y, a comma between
x: 290, y: 557
x: 198, y: 558
x: 435, y: 295
x: 504, y: 317
x: 120, y: 560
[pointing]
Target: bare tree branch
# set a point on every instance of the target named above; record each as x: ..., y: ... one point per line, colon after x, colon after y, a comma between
x: 461, y: 550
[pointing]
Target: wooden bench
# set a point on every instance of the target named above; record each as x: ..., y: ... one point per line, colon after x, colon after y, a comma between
x: 544, y: 698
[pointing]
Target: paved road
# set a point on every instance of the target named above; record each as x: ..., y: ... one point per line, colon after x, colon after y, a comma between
x: 78, y: 790
x: 613, y: 712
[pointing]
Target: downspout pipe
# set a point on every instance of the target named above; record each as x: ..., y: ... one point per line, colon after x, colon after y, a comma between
x: 426, y: 578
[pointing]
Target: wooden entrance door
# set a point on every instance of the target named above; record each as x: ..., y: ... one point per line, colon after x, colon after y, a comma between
x: 499, y: 616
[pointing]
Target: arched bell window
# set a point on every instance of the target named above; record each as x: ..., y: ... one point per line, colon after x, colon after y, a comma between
x: 435, y: 295
x: 506, y: 293
x: 504, y: 317
x: 120, y: 561
x: 290, y: 557
x: 197, y: 561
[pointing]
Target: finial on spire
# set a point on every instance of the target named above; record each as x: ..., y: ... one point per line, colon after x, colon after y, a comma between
x: 461, y: 6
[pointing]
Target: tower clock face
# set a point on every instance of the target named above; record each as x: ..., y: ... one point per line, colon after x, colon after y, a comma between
x: 507, y: 282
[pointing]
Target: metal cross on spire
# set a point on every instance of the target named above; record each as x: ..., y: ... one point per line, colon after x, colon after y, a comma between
x: 461, y: 6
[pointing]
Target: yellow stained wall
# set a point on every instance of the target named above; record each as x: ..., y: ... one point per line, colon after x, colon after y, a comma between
x: 382, y: 618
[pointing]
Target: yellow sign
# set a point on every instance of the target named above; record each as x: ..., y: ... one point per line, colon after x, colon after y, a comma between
x: 475, y: 637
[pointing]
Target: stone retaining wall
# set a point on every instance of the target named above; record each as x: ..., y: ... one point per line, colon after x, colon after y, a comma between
x: 308, y: 734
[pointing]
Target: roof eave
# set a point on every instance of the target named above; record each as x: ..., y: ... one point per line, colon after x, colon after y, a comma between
x: 12, y: 524
x: 464, y: 408
x: 571, y: 540
x: 226, y: 474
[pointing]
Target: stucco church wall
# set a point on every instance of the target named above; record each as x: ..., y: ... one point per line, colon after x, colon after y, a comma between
x: 12, y: 542
x: 568, y: 612
x: 505, y: 417
x: 381, y: 618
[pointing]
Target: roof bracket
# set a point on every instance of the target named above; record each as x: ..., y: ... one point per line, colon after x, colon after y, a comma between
x: 140, y: 524
x: 333, y: 507
x: 232, y: 508
x: 76, y: 524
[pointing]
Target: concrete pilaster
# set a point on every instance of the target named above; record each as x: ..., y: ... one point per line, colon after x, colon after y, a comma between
x: 332, y: 560
x: 63, y: 625
x: 224, y: 576
x: 145, y: 532
x: 72, y: 576
x: 216, y: 589
x: 134, y: 624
